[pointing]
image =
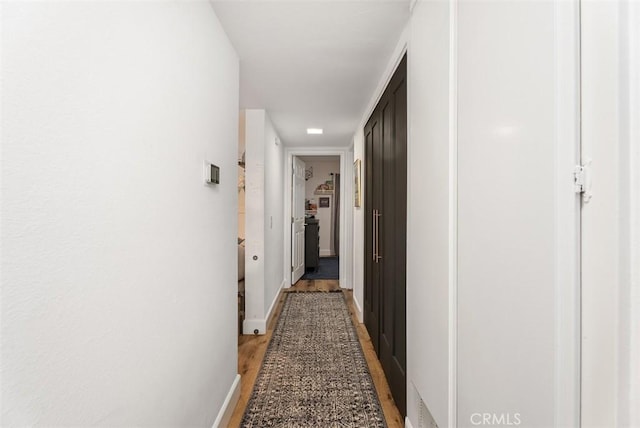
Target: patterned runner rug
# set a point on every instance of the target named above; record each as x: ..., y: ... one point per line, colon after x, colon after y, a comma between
x: 314, y: 373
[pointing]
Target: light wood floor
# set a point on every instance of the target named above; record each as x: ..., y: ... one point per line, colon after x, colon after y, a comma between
x: 251, y: 350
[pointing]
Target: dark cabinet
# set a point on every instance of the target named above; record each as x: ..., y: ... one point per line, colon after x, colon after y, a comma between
x: 311, y: 243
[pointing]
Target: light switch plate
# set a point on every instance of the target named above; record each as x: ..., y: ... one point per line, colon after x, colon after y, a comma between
x: 211, y: 173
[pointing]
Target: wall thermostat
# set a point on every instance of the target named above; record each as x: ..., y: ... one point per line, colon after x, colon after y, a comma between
x: 211, y: 173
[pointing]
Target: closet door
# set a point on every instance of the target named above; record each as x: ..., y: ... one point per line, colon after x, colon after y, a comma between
x: 393, y: 235
x: 373, y: 196
x: 385, y: 223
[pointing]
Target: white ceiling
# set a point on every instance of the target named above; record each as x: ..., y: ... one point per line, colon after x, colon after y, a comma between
x: 310, y: 63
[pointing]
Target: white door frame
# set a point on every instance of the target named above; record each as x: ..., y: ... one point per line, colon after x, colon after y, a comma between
x: 346, y: 207
x: 611, y: 225
x: 630, y: 324
x: 568, y: 234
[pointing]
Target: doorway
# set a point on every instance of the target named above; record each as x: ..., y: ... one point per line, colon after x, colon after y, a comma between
x: 321, y: 207
x: 343, y: 234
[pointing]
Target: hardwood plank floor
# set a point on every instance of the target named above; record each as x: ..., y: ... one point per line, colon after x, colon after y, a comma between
x: 251, y: 350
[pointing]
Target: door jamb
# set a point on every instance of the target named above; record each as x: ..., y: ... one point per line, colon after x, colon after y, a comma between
x: 568, y: 283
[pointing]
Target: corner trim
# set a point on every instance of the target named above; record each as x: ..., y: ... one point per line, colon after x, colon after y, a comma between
x: 251, y: 324
x: 358, y: 309
x: 271, y: 312
x: 260, y: 324
x: 407, y: 422
x: 452, y: 399
x: 224, y: 415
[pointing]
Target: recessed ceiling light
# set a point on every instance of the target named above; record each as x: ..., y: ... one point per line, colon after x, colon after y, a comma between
x: 314, y: 131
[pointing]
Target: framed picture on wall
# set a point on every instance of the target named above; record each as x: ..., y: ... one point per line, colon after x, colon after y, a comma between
x: 357, y: 189
x: 324, y: 203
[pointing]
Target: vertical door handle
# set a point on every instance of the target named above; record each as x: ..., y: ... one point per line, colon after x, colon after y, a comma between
x: 377, y: 253
x: 375, y: 235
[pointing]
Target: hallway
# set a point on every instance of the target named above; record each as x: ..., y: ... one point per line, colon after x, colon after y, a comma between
x: 251, y: 350
x: 489, y: 212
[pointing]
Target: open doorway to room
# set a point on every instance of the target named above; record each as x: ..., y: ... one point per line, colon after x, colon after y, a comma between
x: 340, y: 208
x: 334, y: 221
x: 321, y: 208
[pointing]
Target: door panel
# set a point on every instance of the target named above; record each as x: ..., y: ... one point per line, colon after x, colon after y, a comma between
x: 400, y: 229
x: 297, y: 232
x: 398, y: 235
x: 372, y: 266
x: 393, y: 236
x: 388, y: 220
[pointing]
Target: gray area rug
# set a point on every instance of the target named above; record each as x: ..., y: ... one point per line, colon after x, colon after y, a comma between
x: 314, y: 373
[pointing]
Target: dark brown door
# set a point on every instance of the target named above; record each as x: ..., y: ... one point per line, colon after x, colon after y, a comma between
x: 386, y: 232
x: 373, y: 192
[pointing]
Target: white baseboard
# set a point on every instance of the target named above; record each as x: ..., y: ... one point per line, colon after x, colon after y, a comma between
x: 274, y: 303
x: 224, y: 415
x: 325, y: 253
x: 358, y: 309
x: 407, y: 423
x: 249, y: 326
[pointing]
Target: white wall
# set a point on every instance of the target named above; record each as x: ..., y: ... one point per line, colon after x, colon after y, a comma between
x: 254, y: 220
x: 357, y: 250
x: 346, y: 245
x: 325, y: 217
x: 118, y: 286
x: 241, y: 174
x: 264, y: 201
x: 429, y: 214
x: 274, y: 214
x: 321, y: 171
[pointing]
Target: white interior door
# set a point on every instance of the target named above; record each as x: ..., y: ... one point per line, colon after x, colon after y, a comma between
x: 297, y: 224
